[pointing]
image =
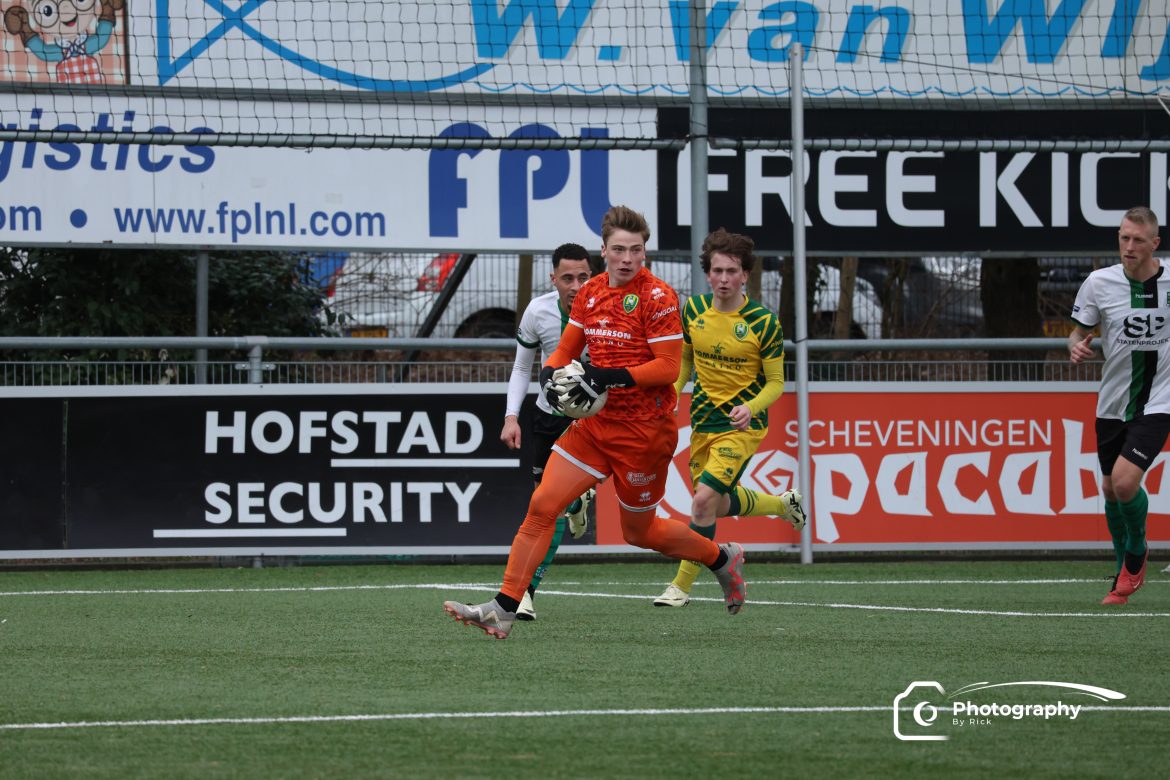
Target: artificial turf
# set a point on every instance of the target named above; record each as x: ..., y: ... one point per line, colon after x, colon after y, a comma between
x: 354, y: 671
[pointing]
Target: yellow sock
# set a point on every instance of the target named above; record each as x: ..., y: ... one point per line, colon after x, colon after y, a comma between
x: 688, y: 571
x: 753, y: 504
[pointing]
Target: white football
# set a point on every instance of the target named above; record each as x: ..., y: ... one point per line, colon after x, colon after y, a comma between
x: 566, y: 377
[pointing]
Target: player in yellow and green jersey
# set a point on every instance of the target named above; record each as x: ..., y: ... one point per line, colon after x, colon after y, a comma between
x: 736, y: 347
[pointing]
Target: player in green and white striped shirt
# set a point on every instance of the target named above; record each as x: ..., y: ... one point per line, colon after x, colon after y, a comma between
x: 1131, y: 303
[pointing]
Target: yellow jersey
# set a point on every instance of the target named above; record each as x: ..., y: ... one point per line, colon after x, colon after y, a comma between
x: 730, y: 350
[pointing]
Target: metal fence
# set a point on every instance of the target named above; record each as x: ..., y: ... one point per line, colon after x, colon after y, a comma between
x: 391, y: 294
x: 350, y: 360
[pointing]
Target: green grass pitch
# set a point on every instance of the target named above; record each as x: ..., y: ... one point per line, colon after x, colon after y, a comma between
x: 355, y: 671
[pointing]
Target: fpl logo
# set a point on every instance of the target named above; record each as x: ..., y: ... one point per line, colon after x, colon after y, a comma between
x: 525, y: 175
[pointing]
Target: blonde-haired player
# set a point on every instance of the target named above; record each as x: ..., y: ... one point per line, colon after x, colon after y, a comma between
x: 628, y: 318
x: 538, y: 334
x: 1133, y: 405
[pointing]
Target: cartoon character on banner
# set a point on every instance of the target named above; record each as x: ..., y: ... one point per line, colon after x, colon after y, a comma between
x: 67, y: 33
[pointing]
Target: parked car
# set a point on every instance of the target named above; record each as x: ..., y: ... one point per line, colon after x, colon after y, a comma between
x: 392, y: 294
x: 867, y: 307
x: 926, y: 297
x: 955, y: 290
x: 1060, y: 281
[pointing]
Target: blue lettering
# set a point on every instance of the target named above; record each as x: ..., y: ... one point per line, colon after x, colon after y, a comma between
x: 190, y: 220
x: 204, y: 153
x: 547, y: 180
x: 31, y: 147
x: 147, y: 164
x: 71, y: 151
x: 164, y: 220
x: 448, y: 192
x: 1120, y: 28
x: 102, y: 125
x: 126, y: 220
x: 803, y: 30
x: 1043, y: 38
x: 680, y: 23
x: 1160, y: 70
x: 860, y: 20
x: 555, y: 32
x: 65, y: 155
x: 594, y: 180
x: 242, y: 224
x: 6, y: 154
x: 123, y: 150
x: 22, y: 218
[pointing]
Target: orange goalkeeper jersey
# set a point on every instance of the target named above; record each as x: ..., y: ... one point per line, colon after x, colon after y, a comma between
x: 620, y: 324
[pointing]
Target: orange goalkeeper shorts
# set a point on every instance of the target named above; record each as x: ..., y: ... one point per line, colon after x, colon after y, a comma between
x: 637, y: 453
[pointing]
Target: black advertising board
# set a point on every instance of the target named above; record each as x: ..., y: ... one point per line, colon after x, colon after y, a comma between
x: 409, y: 469
x: 32, y: 469
x: 922, y: 202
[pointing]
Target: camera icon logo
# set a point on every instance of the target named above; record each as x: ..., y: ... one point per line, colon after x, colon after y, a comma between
x: 923, y: 714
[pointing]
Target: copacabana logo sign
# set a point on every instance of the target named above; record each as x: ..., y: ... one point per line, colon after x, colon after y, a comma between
x: 932, y: 469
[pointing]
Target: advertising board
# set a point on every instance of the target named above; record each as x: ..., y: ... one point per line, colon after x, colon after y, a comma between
x: 418, y: 470
x: 933, y: 466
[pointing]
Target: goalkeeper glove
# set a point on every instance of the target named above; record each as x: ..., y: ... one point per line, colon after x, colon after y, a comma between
x: 597, y: 380
x: 548, y: 387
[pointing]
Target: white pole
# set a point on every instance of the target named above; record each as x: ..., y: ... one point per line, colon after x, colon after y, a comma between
x: 201, y: 308
x: 800, y: 281
x: 698, y: 134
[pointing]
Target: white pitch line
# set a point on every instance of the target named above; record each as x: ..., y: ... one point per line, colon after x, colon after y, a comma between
x: 493, y: 585
x: 1061, y: 581
x: 278, y: 589
x: 1124, y: 708
x: 1050, y: 581
x: 436, y: 716
x: 884, y: 708
x: 587, y: 594
x: 953, y: 611
x: 876, y: 607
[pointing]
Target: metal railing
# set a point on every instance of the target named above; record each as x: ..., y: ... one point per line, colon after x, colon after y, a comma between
x: 284, y: 360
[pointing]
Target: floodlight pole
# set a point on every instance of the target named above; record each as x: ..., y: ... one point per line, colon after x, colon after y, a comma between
x: 201, y: 308
x: 800, y: 281
x: 698, y: 136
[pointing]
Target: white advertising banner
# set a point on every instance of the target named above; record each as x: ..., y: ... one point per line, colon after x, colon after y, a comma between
x: 917, y: 49
x: 922, y: 50
x: 518, y: 199
x: 474, y: 69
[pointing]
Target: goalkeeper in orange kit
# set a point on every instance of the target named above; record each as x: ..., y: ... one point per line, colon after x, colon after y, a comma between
x: 629, y: 320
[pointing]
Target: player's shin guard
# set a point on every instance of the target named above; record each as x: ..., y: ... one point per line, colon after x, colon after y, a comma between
x: 1115, y: 521
x: 750, y: 503
x: 554, y: 545
x: 1134, y: 512
x: 669, y: 537
x: 684, y: 578
x: 561, y: 483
